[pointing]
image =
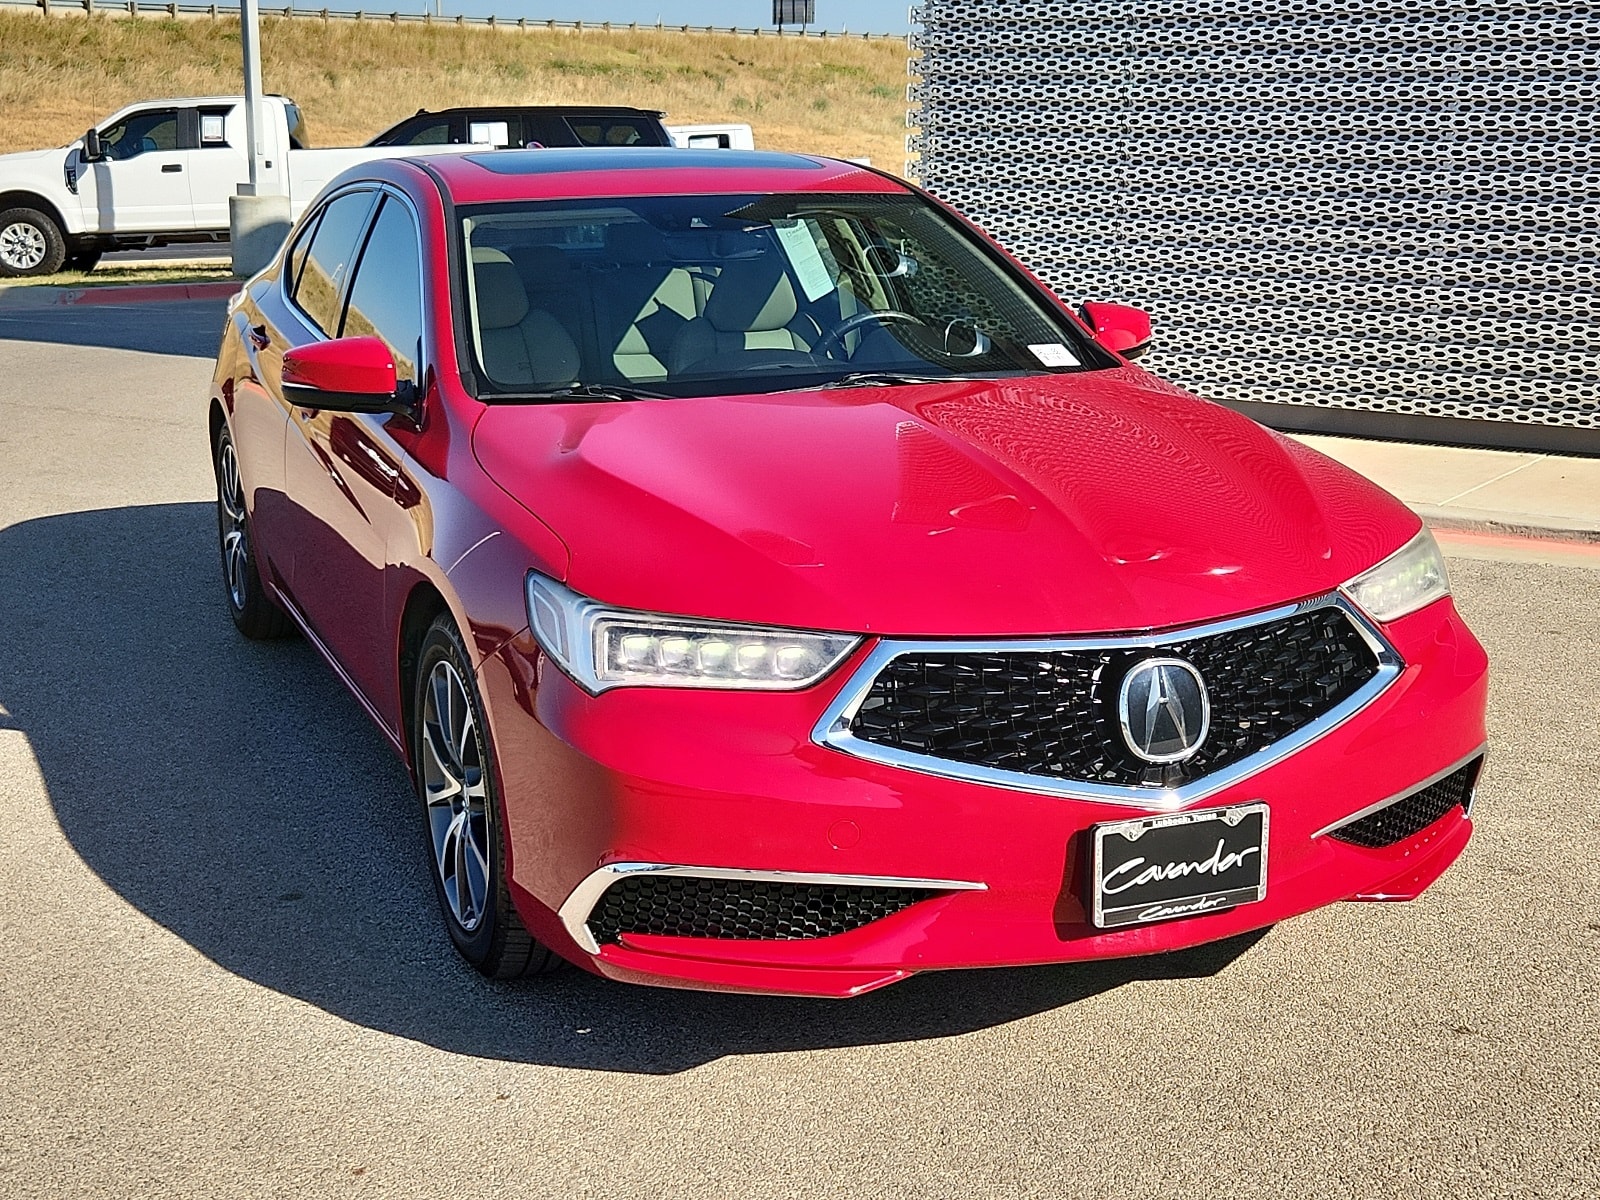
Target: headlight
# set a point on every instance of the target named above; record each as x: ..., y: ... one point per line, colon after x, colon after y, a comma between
x: 1411, y: 577
x: 604, y: 647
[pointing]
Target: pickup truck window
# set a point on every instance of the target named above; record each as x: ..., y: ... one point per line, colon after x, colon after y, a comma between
x: 141, y: 132
x: 214, y: 128
x: 299, y: 139
x: 425, y: 133
x: 386, y: 297
x: 333, y: 248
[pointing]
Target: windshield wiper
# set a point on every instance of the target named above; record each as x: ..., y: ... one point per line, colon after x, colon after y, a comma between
x: 888, y: 379
x: 585, y: 391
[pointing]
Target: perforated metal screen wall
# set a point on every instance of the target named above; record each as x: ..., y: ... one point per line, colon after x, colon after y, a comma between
x: 1387, y: 207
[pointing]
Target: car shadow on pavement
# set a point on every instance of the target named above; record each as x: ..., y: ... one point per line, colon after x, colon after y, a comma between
x: 187, y: 328
x: 234, y: 794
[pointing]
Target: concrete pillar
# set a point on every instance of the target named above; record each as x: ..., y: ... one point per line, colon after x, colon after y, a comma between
x: 257, y: 226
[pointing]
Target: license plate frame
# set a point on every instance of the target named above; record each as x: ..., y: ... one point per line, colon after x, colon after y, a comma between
x: 1158, y: 899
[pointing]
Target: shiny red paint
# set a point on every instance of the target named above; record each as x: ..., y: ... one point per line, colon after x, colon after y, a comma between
x: 1098, y: 502
x: 1118, y: 327
x: 354, y: 366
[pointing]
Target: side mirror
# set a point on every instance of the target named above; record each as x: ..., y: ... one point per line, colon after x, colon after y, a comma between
x: 1117, y: 327
x: 93, y: 151
x: 354, y: 375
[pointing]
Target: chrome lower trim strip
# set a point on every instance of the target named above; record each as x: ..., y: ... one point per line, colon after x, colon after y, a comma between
x: 833, y: 729
x: 574, y: 912
x: 1480, y: 752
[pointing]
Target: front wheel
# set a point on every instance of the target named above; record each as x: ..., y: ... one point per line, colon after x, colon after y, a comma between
x: 462, y: 813
x: 30, y: 243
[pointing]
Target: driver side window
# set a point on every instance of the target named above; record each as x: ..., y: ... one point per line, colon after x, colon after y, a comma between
x: 141, y: 133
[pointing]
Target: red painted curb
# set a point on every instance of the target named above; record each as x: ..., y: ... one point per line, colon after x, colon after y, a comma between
x: 141, y: 292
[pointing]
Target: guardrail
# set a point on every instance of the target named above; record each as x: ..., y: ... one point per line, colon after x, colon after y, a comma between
x: 157, y: 8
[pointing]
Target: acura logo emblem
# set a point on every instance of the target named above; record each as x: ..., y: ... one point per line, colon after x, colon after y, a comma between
x: 1164, y: 710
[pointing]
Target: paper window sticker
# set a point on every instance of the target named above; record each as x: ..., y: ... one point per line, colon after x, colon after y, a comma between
x: 801, y: 250
x: 489, y: 133
x: 1054, y: 354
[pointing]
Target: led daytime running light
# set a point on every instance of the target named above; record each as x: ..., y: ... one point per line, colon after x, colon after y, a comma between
x: 604, y: 648
x: 1412, y: 577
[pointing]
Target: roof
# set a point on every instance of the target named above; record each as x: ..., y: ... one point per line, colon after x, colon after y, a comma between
x: 508, y: 175
x: 607, y: 110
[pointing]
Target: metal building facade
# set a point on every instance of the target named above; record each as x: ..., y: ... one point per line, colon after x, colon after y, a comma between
x: 1375, y: 217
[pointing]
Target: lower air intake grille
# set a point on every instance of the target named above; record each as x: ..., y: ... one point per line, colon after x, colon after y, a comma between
x: 752, y: 910
x: 1412, y: 815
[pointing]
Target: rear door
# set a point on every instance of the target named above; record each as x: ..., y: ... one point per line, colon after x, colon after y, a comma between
x: 217, y: 164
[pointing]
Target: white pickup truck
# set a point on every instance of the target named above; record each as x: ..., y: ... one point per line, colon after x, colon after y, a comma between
x: 153, y: 174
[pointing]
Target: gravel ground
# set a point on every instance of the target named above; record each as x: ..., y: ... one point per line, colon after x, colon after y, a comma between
x: 221, y: 973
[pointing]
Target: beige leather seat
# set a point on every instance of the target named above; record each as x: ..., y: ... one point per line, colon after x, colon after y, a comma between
x: 751, y: 308
x: 521, y: 347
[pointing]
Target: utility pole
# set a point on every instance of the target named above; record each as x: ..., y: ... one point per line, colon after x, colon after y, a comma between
x: 250, y: 40
x: 258, y: 216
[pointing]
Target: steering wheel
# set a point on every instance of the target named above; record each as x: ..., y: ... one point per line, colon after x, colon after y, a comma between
x: 849, y: 325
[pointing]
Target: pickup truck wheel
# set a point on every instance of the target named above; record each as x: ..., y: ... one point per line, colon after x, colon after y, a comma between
x: 84, y: 260
x: 30, y: 243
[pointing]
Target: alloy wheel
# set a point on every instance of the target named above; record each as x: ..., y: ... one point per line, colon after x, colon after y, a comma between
x: 22, y: 246
x: 235, y: 537
x: 456, y: 795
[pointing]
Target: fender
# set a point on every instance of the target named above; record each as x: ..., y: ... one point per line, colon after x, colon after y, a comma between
x: 24, y: 197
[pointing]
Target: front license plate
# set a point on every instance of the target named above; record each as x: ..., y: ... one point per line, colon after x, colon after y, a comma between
x: 1180, y: 865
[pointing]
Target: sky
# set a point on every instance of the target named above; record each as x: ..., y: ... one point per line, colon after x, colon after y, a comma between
x: 861, y: 16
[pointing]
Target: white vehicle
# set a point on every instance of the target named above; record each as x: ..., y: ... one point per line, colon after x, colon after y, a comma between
x: 153, y: 174
x: 712, y: 137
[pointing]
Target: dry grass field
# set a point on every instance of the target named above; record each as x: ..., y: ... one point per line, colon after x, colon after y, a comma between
x: 835, y: 96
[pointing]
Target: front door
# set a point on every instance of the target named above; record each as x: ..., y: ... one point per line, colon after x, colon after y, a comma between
x: 142, y: 185
x: 354, y: 463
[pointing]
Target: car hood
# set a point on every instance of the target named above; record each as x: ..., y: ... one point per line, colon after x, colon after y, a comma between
x: 1095, y: 502
x: 24, y: 158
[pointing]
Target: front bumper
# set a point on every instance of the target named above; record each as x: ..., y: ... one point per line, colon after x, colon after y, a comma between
x: 734, y: 782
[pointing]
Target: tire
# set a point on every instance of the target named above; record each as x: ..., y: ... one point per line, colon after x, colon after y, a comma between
x: 462, y: 814
x: 30, y: 243
x: 253, y: 612
x: 84, y: 260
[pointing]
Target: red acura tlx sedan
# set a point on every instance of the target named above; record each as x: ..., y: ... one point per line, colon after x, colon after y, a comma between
x: 771, y: 586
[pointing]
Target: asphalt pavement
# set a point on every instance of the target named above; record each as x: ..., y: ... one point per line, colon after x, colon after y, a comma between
x: 221, y: 971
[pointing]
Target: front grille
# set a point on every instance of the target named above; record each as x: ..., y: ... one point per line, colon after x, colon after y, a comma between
x: 753, y: 910
x: 1412, y: 815
x: 1053, y: 712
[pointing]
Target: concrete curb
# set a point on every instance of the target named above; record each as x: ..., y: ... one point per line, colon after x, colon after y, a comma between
x: 1529, y: 526
x: 139, y: 293
x: 14, y: 298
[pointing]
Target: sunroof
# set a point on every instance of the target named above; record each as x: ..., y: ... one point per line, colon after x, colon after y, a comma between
x: 637, y: 158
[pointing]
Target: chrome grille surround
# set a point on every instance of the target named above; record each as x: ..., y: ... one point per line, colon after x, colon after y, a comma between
x: 834, y: 728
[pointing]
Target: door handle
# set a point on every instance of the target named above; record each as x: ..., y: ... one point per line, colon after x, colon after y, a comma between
x: 171, y: 168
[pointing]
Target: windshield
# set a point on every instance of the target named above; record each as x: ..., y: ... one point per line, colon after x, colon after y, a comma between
x: 716, y: 295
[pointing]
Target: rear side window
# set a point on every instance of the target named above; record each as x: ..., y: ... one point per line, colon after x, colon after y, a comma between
x: 214, y: 128
x: 297, y: 252
x: 299, y: 139
x: 386, y: 298
x: 424, y: 133
x: 613, y: 131
x: 328, y: 260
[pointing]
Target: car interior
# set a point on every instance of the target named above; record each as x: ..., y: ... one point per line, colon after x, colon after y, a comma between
x: 563, y: 296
